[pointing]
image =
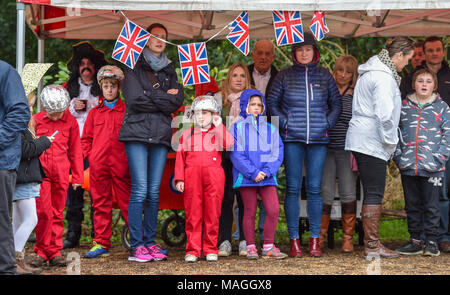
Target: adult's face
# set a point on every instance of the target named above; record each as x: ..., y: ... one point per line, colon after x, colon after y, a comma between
x: 87, y: 70
x: 343, y: 75
x: 434, y: 52
x: 263, y: 55
x: 418, y: 57
x: 238, y: 80
x: 157, y: 46
x: 401, y: 60
x: 304, y: 54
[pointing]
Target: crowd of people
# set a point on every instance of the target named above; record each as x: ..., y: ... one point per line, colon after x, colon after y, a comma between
x: 325, y: 127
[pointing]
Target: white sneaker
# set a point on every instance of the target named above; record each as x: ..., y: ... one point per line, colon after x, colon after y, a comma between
x: 243, y: 248
x: 211, y: 257
x: 225, y: 249
x: 190, y: 258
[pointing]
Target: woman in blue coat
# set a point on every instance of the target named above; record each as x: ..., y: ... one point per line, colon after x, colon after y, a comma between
x: 306, y: 101
x: 256, y: 158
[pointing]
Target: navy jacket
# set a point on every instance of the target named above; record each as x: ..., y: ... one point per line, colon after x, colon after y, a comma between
x: 306, y: 100
x: 30, y: 168
x: 148, y: 114
x: 257, y: 147
x: 14, y: 116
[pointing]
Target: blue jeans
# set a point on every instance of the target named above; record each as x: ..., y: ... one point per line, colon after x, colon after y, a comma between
x: 314, y: 156
x: 444, y: 204
x: 146, y: 162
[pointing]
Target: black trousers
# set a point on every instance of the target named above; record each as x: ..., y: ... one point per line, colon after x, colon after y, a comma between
x: 422, y: 205
x: 226, y: 216
x: 7, y: 251
x: 372, y: 172
x: 74, y: 214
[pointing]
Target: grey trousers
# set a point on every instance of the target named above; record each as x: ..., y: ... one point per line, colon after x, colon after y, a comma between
x: 7, y: 252
x: 337, y: 164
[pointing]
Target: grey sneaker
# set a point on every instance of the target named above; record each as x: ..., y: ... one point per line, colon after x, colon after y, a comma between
x: 225, y: 249
x: 431, y: 249
x: 190, y: 258
x: 243, y: 248
x: 273, y: 252
x: 211, y: 257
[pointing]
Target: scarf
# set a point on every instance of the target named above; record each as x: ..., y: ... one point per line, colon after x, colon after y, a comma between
x: 384, y: 57
x: 235, y: 109
x: 157, y: 63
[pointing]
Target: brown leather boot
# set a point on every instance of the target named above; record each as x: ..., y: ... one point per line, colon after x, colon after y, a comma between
x: 372, y: 246
x: 324, y: 223
x: 296, y: 249
x: 348, y: 212
x: 20, y: 264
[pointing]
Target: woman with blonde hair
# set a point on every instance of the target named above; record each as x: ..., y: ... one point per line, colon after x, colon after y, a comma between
x: 237, y: 80
x: 337, y: 163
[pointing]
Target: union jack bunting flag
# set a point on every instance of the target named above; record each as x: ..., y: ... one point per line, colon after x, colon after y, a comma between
x: 129, y: 44
x: 239, y: 36
x: 237, y: 20
x: 318, y: 25
x: 288, y: 27
x: 194, y: 63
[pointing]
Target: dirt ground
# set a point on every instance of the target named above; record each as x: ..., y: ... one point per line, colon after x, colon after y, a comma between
x: 333, y: 262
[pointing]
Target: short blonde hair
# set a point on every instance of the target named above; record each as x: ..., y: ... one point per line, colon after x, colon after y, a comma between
x: 113, y: 81
x: 347, y: 62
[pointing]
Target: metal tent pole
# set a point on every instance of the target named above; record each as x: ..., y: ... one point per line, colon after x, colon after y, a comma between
x: 20, y: 43
x: 41, y: 59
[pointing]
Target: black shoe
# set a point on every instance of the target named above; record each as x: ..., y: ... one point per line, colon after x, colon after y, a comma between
x: 58, y: 261
x: 431, y: 249
x: 67, y: 244
x: 413, y: 247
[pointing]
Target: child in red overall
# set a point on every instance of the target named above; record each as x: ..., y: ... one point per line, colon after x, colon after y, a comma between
x: 199, y: 174
x: 64, y: 155
x: 108, y: 162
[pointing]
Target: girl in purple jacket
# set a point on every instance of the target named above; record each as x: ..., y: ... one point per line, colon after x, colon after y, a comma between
x: 256, y: 158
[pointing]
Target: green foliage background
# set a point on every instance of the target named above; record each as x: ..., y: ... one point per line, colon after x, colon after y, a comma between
x: 221, y: 54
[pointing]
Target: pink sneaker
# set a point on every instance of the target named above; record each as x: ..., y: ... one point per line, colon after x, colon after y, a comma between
x: 140, y: 254
x: 155, y: 251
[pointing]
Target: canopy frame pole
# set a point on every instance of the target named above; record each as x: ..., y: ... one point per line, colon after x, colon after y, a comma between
x: 20, y: 34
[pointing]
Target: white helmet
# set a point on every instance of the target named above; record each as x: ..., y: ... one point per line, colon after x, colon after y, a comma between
x: 204, y: 102
x: 109, y: 71
x: 55, y: 98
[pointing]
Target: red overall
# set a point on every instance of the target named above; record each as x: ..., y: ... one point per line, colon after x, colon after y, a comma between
x: 108, y: 166
x: 198, y: 164
x: 64, y: 154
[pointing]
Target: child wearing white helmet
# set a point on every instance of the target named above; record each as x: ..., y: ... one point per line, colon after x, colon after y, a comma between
x: 109, y: 173
x: 200, y: 176
x: 64, y: 155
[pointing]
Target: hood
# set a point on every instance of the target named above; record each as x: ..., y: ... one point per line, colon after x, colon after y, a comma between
x: 308, y: 40
x: 245, y: 97
x: 373, y: 64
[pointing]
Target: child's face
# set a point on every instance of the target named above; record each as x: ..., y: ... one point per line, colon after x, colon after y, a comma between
x: 255, y: 106
x: 424, y: 85
x: 55, y: 116
x: 110, y: 90
x: 203, y: 118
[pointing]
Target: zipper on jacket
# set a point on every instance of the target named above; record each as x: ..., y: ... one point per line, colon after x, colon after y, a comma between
x: 417, y: 134
x: 307, y: 105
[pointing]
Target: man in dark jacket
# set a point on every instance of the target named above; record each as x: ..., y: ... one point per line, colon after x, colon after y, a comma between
x: 435, y: 53
x: 262, y: 71
x: 14, y: 116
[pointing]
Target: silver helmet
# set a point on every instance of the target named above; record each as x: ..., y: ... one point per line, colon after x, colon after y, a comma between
x: 206, y: 103
x: 55, y: 98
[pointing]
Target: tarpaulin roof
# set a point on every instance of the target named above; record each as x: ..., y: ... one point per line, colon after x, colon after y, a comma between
x: 201, y: 19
